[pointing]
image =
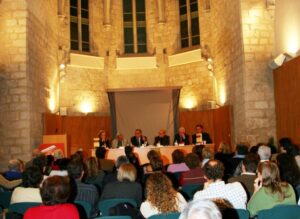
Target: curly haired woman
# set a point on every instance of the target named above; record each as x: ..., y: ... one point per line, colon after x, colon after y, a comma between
x: 161, y: 196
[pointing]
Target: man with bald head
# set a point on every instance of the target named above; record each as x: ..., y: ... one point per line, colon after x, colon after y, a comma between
x: 162, y: 138
x: 215, y: 187
x: 182, y: 137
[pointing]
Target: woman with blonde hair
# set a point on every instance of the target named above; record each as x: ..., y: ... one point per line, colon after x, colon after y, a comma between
x: 161, y: 196
x: 269, y: 191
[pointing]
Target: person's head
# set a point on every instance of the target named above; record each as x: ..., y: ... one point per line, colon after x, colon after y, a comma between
x: 156, y: 164
x: 78, y: 156
x: 162, y: 133
x: 288, y: 147
x: 250, y: 163
x: 49, y: 160
x: 92, y: 169
x: 206, y: 153
x: 160, y: 193
x: 126, y: 172
x: 128, y: 150
x: 178, y: 156
x: 198, y: 150
x: 268, y: 174
x: 121, y: 160
x: 288, y: 168
x: 264, y: 152
x: 63, y: 163
x: 75, y: 169
x: 120, y: 137
x: 138, y: 133
x: 241, y: 149
x: 153, y: 153
x: 201, y: 209
x: 35, y: 152
x: 253, y: 149
x: 192, y: 160
x: 55, y: 190
x: 101, y: 153
x: 224, y: 148
x: 181, y: 131
x: 199, y: 128
x: 32, y: 177
x: 102, y: 135
x: 58, y: 154
x: 214, y: 170
x: 15, y: 165
x: 39, y: 161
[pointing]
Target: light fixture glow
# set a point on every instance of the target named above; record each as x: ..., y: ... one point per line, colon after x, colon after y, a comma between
x: 222, y: 94
x: 86, y: 107
x: 190, y: 103
x: 62, y: 66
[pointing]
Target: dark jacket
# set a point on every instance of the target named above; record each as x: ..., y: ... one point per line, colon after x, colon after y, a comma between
x: 163, y: 141
x: 205, y: 137
x: 179, y: 139
x: 134, y: 141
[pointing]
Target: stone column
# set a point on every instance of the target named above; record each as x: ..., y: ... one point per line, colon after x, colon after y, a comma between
x: 161, y: 11
x: 106, y: 12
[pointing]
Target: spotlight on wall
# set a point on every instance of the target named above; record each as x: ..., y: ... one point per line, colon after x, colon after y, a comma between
x: 189, y: 103
x: 279, y: 60
x: 86, y: 107
x: 62, y: 66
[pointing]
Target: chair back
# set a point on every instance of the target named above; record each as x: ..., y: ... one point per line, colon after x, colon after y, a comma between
x: 105, y: 205
x: 87, y: 207
x: 243, y: 214
x: 21, y: 207
x: 5, y: 197
x: 165, y: 216
x: 189, y: 190
x: 281, y: 211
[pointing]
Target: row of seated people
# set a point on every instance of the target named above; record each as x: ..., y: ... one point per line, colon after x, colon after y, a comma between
x: 155, y: 191
x: 162, y: 139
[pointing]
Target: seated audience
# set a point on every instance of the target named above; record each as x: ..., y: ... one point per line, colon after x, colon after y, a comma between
x: 288, y: 147
x: 105, y: 164
x: 112, y: 177
x: 264, y: 153
x: 201, y: 209
x: 62, y: 165
x: 200, y: 136
x: 206, y: 155
x: 9, y: 184
x: 138, y: 139
x: 29, y: 191
x: 236, y: 161
x: 15, y: 169
x: 55, y: 193
x: 134, y: 160
x: 119, y: 141
x: 195, y: 174
x: 103, y: 139
x: 269, y: 191
x: 49, y: 163
x: 162, y: 139
x: 93, y: 174
x: 215, y: 187
x: 197, y: 149
x: 83, y: 191
x: 161, y: 197
x: 147, y: 168
x: 224, y: 155
x: 178, y: 164
x: 289, y: 171
x: 249, y: 166
x: 181, y: 137
x: 125, y: 187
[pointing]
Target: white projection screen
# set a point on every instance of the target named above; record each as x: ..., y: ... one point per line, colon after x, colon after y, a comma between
x: 148, y: 110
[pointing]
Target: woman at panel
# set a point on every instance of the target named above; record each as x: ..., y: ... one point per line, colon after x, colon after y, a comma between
x: 103, y: 139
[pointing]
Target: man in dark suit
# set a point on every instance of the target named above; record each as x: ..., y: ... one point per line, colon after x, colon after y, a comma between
x: 200, y: 136
x: 181, y: 137
x: 162, y: 138
x: 138, y: 139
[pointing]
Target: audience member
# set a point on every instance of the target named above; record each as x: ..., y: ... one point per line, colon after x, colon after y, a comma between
x: 215, y: 187
x: 15, y: 169
x: 103, y: 139
x: 224, y: 155
x: 9, y: 184
x: 93, y: 174
x: 200, y: 136
x: 161, y: 197
x: 62, y: 165
x: 206, y: 155
x: 119, y: 141
x: 29, y: 191
x: 138, y: 139
x: 195, y: 174
x: 181, y: 137
x: 289, y: 171
x: 288, y: 147
x: 83, y: 191
x: 264, y: 153
x: 147, y: 168
x: 49, y: 163
x: 269, y: 191
x: 249, y: 166
x: 178, y: 164
x: 201, y: 209
x: 55, y: 193
x: 162, y: 139
x: 105, y: 164
x: 197, y: 149
x: 112, y: 177
x: 236, y: 161
x: 134, y: 160
x: 125, y: 187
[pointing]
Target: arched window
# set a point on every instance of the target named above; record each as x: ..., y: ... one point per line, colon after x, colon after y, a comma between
x: 79, y: 25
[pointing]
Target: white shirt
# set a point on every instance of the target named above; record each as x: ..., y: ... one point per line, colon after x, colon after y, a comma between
x: 148, y: 210
x: 232, y: 192
x: 21, y: 194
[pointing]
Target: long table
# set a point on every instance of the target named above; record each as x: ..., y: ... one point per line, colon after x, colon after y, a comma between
x: 141, y: 152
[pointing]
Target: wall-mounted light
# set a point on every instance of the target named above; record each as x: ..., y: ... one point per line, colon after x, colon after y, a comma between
x: 190, y: 103
x: 62, y: 67
x: 222, y: 94
x: 86, y: 107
